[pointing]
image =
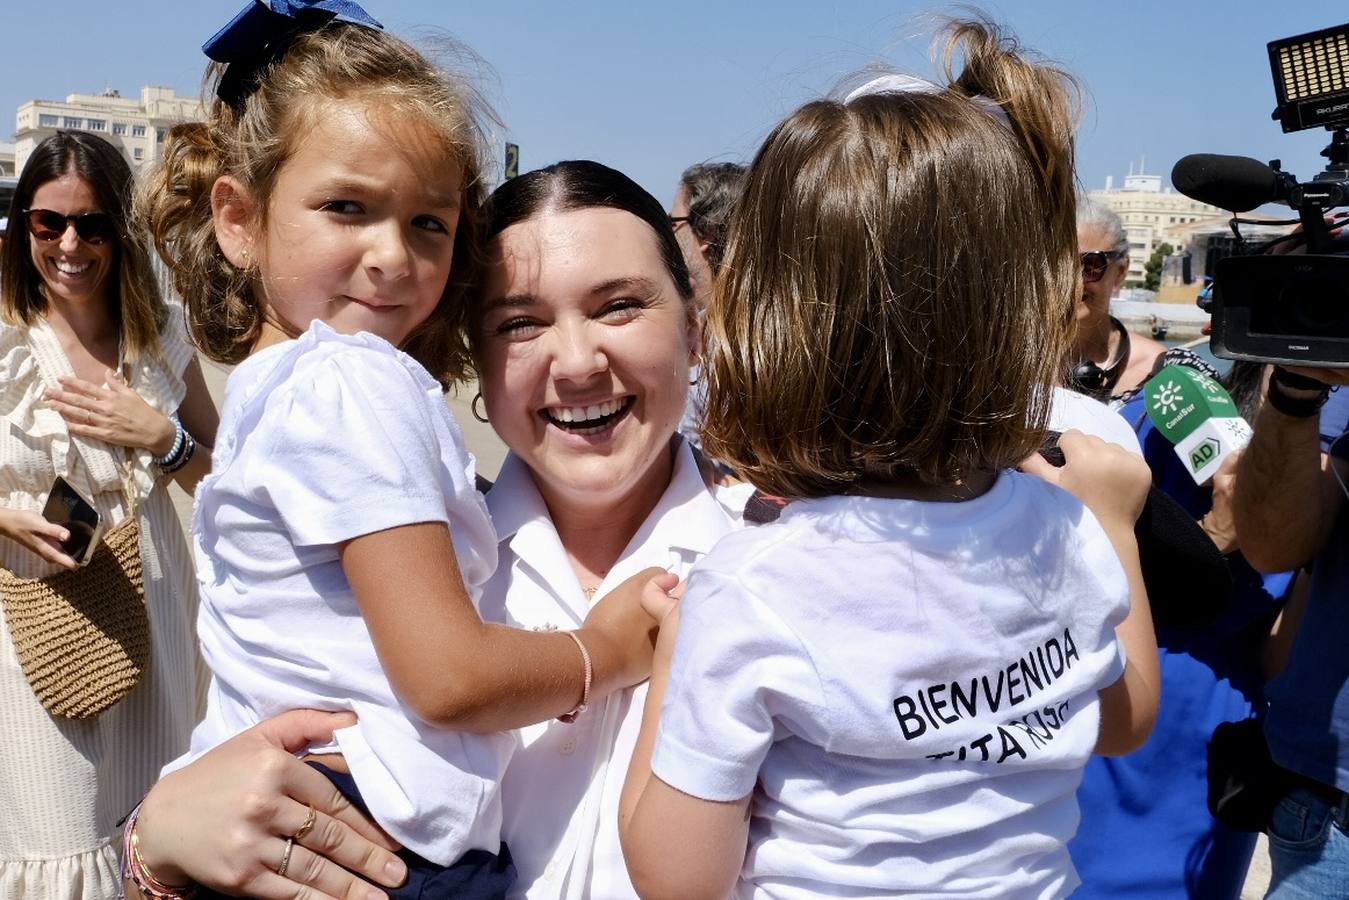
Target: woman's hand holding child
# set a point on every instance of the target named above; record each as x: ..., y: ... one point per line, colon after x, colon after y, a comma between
x: 660, y: 599
x: 195, y: 816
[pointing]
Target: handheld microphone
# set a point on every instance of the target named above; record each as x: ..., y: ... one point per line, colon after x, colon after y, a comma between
x: 1197, y: 416
x: 1233, y: 183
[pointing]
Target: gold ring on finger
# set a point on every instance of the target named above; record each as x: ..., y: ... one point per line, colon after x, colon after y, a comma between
x: 285, y: 857
x: 308, y: 825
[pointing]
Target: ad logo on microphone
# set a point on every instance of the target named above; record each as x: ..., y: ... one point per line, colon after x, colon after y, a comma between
x: 1197, y: 415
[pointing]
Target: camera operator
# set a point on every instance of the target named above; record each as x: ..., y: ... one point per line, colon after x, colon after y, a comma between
x: 1288, y: 507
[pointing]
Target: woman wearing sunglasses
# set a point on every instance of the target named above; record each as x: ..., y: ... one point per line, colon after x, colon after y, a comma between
x: 99, y: 387
x: 1109, y: 362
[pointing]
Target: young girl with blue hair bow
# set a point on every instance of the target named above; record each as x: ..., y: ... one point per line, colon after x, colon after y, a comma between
x: 322, y: 224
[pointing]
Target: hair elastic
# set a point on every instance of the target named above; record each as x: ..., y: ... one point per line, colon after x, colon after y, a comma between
x: 902, y: 83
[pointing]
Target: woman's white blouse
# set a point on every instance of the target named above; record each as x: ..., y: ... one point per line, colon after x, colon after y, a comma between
x: 562, y: 787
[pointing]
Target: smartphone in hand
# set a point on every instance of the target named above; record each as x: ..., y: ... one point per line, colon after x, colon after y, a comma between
x: 65, y: 507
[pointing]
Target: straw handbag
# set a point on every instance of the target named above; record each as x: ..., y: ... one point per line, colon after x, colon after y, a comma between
x: 83, y: 636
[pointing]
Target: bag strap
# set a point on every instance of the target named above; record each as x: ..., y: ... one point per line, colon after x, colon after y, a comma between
x: 130, y: 495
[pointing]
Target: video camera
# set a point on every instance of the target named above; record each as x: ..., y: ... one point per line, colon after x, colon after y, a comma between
x: 1286, y: 308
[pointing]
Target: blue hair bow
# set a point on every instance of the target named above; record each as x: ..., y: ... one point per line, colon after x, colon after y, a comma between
x: 262, y: 32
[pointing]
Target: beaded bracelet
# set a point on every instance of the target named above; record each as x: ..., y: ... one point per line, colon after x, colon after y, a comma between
x: 179, y: 439
x: 184, y: 455
x: 138, y: 873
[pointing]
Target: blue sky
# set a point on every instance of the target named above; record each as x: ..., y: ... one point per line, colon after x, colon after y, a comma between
x: 652, y: 87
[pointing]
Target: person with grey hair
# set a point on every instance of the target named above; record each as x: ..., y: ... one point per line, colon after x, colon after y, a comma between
x: 1108, y: 362
x: 701, y: 216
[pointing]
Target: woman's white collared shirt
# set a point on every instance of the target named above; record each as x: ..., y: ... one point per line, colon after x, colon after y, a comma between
x: 562, y: 786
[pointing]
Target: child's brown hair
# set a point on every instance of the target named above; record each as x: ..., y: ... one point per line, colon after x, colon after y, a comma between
x: 897, y: 294
x: 252, y: 139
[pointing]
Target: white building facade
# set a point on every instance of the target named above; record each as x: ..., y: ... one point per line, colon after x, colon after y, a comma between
x: 136, y: 126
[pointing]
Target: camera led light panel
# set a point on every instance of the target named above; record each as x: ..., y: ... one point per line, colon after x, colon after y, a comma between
x: 1311, y: 79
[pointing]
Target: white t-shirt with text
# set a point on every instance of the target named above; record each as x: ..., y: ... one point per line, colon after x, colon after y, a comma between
x: 908, y: 689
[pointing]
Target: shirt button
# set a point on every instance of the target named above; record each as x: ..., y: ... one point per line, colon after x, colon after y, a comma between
x: 568, y: 747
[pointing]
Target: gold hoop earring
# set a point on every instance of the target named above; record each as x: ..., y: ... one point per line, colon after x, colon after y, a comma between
x: 473, y: 408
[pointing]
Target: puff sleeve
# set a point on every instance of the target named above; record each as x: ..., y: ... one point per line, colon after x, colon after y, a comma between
x: 352, y: 448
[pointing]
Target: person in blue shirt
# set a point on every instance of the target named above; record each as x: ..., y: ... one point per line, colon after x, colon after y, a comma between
x: 1146, y: 830
x: 1288, y: 510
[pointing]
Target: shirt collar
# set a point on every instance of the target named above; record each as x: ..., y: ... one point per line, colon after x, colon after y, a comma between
x: 514, y: 500
x: 687, y: 516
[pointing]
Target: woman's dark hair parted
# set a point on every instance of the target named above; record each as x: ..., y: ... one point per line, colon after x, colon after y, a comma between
x: 584, y: 184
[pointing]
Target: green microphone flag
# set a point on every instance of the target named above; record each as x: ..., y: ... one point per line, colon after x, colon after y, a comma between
x: 1197, y: 415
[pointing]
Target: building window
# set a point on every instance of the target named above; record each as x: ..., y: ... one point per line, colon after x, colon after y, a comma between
x: 71, y: 122
x: 159, y: 135
x: 138, y: 131
x: 119, y: 128
x: 46, y: 121
x: 98, y: 125
x: 138, y: 154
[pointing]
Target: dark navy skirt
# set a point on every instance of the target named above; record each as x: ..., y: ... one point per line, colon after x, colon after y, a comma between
x: 477, y: 875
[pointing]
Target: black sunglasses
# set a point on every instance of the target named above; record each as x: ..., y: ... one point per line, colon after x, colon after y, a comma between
x: 1095, y: 262
x: 675, y: 220
x: 47, y: 225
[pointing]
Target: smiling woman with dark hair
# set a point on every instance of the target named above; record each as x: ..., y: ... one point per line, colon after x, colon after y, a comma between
x: 586, y: 335
x: 583, y: 331
x: 95, y: 373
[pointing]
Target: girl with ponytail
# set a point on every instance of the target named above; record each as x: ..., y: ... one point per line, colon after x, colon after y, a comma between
x: 893, y: 689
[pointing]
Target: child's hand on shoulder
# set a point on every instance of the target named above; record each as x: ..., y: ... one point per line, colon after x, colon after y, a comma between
x: 1109, y: 480
x: 621, y: 619
x: 660, y: 598
x: 661, y: 602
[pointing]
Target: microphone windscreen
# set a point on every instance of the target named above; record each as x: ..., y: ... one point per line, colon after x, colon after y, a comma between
x: 1234, y: 183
